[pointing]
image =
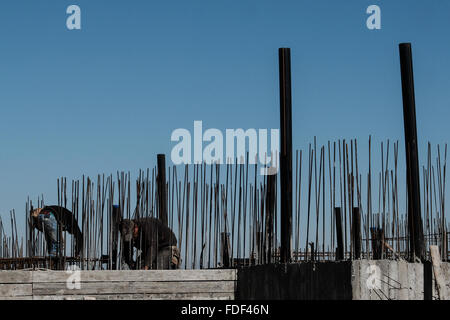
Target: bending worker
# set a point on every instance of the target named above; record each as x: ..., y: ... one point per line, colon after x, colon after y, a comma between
x: 155, y: 240
x: 49, y: 220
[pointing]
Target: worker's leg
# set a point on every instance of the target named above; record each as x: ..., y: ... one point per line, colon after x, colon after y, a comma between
x: 50, y: 227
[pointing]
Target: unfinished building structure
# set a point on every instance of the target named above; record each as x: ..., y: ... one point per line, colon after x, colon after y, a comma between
x: 246, y: 236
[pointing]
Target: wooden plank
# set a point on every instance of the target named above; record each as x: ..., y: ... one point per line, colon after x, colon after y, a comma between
x: 14, y: 290
x: 139, y: 275
x: 127, y: 287
x: 15, y: 276
x: 17, y: 298
x: 155, y: 296
x: 441, y: 287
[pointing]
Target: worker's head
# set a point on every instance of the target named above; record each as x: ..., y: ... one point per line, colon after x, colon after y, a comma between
x: 128, y: 229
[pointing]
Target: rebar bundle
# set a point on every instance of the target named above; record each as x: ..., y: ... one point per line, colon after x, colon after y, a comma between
x: 227, y: 215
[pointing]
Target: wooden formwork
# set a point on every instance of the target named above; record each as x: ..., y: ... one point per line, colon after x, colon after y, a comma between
x: 115, y: 284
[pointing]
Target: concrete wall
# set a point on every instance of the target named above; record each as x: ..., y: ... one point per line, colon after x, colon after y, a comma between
x: 357, y: 280
x: 136, y: 285
x: 398, y: 280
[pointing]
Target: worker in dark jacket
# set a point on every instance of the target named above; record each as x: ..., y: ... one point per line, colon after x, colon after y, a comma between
x: 49, y: 220
x: 155, y: 240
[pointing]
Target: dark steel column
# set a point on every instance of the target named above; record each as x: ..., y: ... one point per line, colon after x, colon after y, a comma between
x: 415, y: 227
x: 270, y: 217
x: 116, y: 218
x: 162, y: 196
x: 225, y: 249
x: 356, y: 230
x: 284, y: 55
x: 339, y: 235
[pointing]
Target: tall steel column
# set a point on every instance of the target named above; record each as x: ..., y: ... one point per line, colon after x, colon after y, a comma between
x: 284, y: 55
x: 416, y: 239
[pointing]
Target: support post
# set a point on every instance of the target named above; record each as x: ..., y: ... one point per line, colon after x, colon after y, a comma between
x: 116, y: 217
x: 415, y: 227
x: 284, y: 55
x: 270, y: 215
x: 225, y: 249
x: 162, y: 196
x: 356, y: 229
x: 377, y: 243
x: 313, y: 251
x: 339, y: 235
x: 427, y: 281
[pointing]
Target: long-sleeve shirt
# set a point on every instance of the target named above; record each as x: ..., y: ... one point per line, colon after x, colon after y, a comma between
x: 152, y: 236
x: 68, y: 222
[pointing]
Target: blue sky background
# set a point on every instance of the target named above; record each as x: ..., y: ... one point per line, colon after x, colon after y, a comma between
x: 107, y: 97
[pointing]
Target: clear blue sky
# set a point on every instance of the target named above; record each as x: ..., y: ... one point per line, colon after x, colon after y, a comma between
x: 107, y: 97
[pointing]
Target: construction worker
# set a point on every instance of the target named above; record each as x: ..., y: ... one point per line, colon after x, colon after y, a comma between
x: 49, y: 220
x: 155, y: 240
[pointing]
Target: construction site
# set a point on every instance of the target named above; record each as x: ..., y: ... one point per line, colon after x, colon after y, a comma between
x: 321, y: 228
